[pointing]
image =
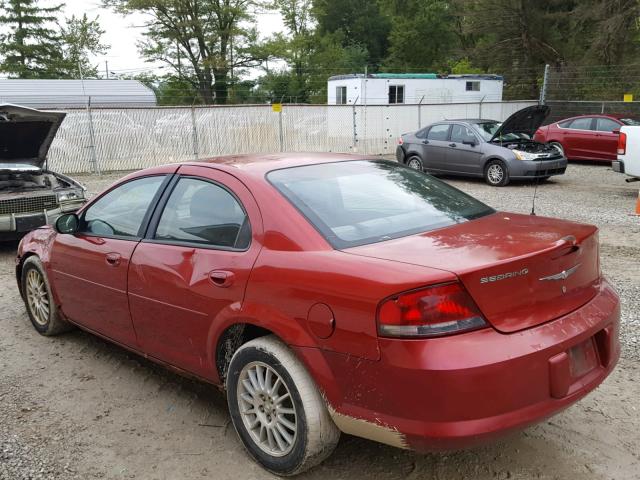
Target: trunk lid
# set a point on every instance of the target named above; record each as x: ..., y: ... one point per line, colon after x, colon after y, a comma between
x: 526, y: 121
x: 26, y: 135
x: 521, y: 270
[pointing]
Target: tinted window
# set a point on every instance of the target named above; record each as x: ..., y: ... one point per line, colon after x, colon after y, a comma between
x: 581, y: 124
x: 606, y: 125
x: 460, y: 134
x: 121, y: 211
x: 438, y: 132
x: 366, y: 201
x: 204, y: 213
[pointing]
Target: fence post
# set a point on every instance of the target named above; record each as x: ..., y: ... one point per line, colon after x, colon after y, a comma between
x: 480, y: 106
x: 420, y: 113
x: 194, y: 131
x: 280, y: 128
x: 355, y: 127
x: 545, y: 82
x: 92, y: 138
x: 602, y: 110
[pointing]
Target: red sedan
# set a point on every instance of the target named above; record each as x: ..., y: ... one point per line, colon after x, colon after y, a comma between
x: 333, y: 293
x: 586, y: 137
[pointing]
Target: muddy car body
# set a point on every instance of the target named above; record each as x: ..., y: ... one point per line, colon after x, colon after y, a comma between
x: 30, y: 194
x: 497, y: 151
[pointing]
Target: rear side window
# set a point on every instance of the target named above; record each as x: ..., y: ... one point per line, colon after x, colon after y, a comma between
x: 438, y: 132
x: 606, y: 125
x: 581, y: 124
x: 565, y: 124
x: 201, y: 212
x: 367, y: 201
x: 121, y: 212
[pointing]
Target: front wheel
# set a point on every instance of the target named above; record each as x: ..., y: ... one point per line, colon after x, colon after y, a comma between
x: 276, y: 408
x: 496, y: 173
x: 558, y: 147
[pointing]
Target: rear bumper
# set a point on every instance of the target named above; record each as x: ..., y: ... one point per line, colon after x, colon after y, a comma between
x: 455, y: 392
x: 536, y: 169
x: 618, y: 166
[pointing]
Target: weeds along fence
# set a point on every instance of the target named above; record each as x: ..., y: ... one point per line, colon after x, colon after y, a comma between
x: 102, y: 140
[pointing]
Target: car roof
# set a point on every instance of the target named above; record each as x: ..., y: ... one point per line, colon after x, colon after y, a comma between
x: 260, y: 164
x: 615, y: 116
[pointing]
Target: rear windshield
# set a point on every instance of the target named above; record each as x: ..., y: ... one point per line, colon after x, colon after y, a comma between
x: 367, y: 201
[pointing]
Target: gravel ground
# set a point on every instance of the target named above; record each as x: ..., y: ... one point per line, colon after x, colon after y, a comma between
x: 76, y: 407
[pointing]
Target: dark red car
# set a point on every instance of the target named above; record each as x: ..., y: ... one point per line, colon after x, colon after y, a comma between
x: 586, y: 137
x: 332, y: 293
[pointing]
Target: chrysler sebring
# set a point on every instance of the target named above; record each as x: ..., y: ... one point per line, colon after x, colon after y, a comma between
x: 333, y: 293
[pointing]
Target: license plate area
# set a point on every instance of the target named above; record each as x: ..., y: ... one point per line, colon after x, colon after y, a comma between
x: 583, y: 358
x: 26, y: 224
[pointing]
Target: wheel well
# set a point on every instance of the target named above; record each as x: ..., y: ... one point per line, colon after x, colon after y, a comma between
x: 231, y: 340
x: 489, y: 160
x: 19, y: 271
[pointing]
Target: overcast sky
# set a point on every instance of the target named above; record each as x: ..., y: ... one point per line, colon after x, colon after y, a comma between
x: 123, y: 33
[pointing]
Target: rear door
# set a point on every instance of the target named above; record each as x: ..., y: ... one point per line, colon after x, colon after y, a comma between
x: 192, y: 268
x: 606, y: 141
x: 464, y: 153
x: 90, y: 267
x: 435, y: 147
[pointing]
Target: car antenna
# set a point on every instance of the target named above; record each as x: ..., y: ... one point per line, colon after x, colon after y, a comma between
x: 535, y: 192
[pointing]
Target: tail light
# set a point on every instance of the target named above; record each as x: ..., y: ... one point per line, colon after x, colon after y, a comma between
x: 400, y: 141
x: 622, y: 143
x: 431, y: 312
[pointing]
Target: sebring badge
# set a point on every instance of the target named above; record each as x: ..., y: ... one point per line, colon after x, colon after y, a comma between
x: 562, y: 275
x: 505, y: 276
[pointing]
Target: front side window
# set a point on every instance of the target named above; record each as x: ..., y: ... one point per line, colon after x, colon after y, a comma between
x: 438, y: 132
x: 473, y: 86
x: 201, y: 212
x: 581, y: 124
x: 461, y: 134
x: 396, y: 94
x: 366, y: 201
x: 120, y: 212
x: 606, y: 125
x: 341, y: 95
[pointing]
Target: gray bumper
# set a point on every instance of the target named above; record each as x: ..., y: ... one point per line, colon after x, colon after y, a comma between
x: 618, y: 166
x: 537, y: 169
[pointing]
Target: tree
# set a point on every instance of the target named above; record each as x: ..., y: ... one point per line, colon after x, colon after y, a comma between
x: 80, y: 37
x: 203, y: 41
x: 31, y: 48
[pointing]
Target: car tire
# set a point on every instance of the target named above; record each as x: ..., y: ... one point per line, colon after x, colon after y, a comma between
x: 415, y: 162
x: 558, y: 146
x: 261, y: 372
x: 496, y: 173
x: 41, y: 308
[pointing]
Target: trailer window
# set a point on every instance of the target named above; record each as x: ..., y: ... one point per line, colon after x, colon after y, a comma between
x: 396, y: 94
x: 341, y: 95
x: 473, y: 86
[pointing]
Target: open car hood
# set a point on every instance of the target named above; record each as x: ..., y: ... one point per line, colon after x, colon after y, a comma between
x: 526, y: 121
x: 26, y: 135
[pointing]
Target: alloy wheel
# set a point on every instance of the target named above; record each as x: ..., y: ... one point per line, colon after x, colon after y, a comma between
x: 38, y: 297
x: 267, y: 409
x: 495, y: 173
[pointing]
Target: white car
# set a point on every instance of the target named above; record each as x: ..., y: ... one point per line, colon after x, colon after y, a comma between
x: 628, y: 152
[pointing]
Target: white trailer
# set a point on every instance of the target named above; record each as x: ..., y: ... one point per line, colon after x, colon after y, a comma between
x: 410, y: 88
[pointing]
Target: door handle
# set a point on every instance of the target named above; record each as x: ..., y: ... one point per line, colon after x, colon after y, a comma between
x: 453, y: 145
x: 426, y: 142
x: 113, y: 259
x: 222, y: 278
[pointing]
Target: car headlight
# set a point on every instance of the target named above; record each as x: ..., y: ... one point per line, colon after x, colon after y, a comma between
x: 70, y: 195
x: 520, y: 155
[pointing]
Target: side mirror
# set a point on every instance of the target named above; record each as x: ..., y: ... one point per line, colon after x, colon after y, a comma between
x: 616, y: 131
x: 471, y: 143
x: 68, y: 223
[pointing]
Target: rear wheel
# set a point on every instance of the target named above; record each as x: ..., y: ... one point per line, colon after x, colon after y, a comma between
x: 277, y: 410
x: 496, y: 173
x: 415, y: 162
x: 41, y: 308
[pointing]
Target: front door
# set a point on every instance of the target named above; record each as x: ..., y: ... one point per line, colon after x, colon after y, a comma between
x: 90, y: 268
x: 464, y: 153
x: 192, y: 270
x: 435, y: 146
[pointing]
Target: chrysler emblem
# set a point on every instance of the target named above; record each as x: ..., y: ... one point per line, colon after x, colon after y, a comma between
x: 562, y: 275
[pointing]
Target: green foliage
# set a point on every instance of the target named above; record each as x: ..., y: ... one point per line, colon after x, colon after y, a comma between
x: 80, y: 37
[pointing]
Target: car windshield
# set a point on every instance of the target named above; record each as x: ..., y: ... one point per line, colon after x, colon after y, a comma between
x: 488, y: 130
x: 630, y: 121
x: 366, y: 201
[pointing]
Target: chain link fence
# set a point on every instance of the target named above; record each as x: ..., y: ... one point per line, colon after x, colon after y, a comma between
x: 101, y: 140
x: 564, y: 109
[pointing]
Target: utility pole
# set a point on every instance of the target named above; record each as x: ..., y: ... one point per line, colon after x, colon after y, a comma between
x: 106, y: 68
